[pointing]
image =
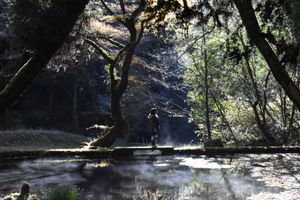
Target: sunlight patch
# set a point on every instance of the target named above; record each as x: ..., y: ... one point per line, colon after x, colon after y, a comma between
x: 102, y: 164
x: 200, y: 163
x: 288, y: 195
x: 161, y: 164
x: 146, y: 152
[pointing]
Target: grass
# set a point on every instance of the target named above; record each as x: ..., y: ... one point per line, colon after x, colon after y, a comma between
x: 29, y: 139
x: 62, y: 192
x: 72, y: 192
x: 68, y: 192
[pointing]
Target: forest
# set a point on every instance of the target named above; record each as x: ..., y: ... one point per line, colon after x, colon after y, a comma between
x: 198, y: 62
x: 94, y: 74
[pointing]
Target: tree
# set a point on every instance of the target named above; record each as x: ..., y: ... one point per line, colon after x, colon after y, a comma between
x: 206, y: 85
x: 244, y: 87
x: 293, y: 11
x: 207, y: 56
x: 250, y: 22
x: 42, y: 29
x: 119, y: 65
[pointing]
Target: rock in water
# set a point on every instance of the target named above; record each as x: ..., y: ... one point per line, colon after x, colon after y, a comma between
x: 24, y: 192
x: 214, y: 143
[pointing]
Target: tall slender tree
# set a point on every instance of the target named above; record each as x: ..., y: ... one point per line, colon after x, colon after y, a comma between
x: 206, y: 85
x: 251, y: 24
x: 134, y: 22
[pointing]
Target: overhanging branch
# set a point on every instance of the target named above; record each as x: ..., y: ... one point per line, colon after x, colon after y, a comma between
x: 111, y: 12
x: 100, y: 50
x: 122, y: 7
x: 112, y: 41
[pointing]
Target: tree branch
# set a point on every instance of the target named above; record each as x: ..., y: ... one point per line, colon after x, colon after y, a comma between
x: 141, y: 32
x: 139, y: 10
x: 112, y: 41
x: 100, y: 50
x: 111, y: 12
x: 194, y: 42
x: 251, y: 24
x: 27, y: 73
x: 122, y: 7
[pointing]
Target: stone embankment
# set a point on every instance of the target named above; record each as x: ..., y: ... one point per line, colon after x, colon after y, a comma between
x: 146, y: 150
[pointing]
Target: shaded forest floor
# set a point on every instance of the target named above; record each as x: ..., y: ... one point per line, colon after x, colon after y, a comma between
x: 19, y: 140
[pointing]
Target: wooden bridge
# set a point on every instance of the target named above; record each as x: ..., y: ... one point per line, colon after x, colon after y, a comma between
x: 147, y: 150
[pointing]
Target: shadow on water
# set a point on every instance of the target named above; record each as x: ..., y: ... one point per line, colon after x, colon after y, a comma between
x: 172, y: 177
x: 281, y: 170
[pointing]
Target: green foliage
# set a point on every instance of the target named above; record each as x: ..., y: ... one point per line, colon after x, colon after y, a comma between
x: 293, y: 7
x: 62, y: 192
x: 231, y: 88
x: 67, y: 192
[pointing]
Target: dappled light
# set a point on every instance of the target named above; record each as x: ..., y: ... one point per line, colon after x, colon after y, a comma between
x: 169, y: 177
x: 149, y: 99
x: 199, y: 163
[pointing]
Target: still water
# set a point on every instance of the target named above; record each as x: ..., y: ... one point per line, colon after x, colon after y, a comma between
x: 171, y: 177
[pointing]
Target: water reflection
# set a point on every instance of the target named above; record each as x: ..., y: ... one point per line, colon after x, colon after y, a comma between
x: 168, y: 177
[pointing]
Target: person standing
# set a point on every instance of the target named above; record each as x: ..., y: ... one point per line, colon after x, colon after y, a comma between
x: 154, y: 126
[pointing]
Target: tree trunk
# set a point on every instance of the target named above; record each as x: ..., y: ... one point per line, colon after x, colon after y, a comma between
x: 119, y: 128
x: 75, y: 106
x: 23, y: 78
x: 289, y: 128
x: 249, y: 19
x: 51, y: 102
x: 258, y: 113
x: 247, y: 73
x: 221, y: 110
x: 270, y: 139
x: 118, y: 87
x: 94, y: 100
x: 206, y: 85
x: 33, y: 66
x: 206, y: 89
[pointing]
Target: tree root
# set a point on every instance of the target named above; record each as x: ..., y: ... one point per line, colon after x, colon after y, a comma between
x: 108, y: 137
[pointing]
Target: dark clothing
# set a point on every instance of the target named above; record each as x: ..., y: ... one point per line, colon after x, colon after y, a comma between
x: 154, y: 124
x: 154, y: 127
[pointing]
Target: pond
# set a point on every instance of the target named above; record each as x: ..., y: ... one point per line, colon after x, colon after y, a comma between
x: 172, y: 177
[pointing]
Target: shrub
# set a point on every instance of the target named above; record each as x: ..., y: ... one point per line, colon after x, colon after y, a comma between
x: 65, y: 192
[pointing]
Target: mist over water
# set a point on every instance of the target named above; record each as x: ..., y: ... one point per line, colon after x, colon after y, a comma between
x: 172, y: 177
